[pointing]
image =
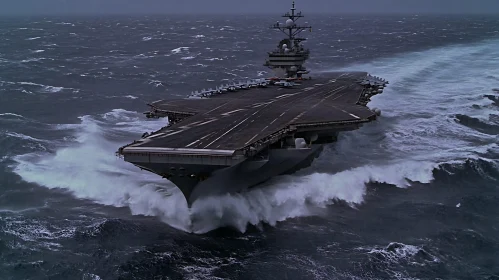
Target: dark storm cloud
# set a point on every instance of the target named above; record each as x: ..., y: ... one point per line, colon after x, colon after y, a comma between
x: 245, y: 6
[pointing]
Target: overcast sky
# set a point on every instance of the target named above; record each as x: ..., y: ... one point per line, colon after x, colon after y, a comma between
x: 245, y: 6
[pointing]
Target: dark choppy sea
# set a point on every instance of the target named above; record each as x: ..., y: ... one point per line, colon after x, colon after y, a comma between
x: 414, y: 195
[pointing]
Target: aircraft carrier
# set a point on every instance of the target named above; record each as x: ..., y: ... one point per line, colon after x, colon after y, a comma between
x: 238, y: 135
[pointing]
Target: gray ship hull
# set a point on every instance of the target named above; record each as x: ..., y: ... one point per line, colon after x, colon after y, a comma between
x: 240, y: 177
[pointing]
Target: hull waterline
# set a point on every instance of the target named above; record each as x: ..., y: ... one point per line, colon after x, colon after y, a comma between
x: 238, y: 178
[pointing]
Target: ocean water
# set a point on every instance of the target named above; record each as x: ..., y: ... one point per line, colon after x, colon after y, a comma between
x: 411, y: 196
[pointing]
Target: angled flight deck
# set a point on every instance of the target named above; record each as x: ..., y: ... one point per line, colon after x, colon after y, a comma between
x: 247, y: 116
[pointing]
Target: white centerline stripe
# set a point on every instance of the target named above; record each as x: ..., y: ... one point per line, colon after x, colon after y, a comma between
x: 251, y: 139
x: 206, y: 136
x: 192, y: 143
x: 228, y: 131
x: 169, y: 134
x: 228, y: 113
x: 207, y: 122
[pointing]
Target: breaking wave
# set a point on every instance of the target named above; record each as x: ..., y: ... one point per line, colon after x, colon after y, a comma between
x: 34, y: 86
x: 11, y: 115
x: 299, y: 196
x: 398, y: 252
x: 90, y: 170
x: 416, y: 135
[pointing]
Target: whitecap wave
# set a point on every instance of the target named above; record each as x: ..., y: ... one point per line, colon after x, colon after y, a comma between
x: 45, y: 88
x: 24, y: 137
x: 36, y: 233
x: 180, y: 49
x: 397, y: 252
x: 90, y: 170
x: 11, y: 115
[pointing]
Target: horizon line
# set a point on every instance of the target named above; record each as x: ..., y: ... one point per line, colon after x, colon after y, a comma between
x: 243, y: 14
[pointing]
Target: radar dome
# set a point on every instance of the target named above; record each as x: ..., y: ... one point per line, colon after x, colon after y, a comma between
x: 284, y: 46
x: 300, y: 143
x: 289, y: 22
x: 293, y: 68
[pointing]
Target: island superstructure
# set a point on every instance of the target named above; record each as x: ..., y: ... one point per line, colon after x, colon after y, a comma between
x: 288, y: 58
x: 237, y: 136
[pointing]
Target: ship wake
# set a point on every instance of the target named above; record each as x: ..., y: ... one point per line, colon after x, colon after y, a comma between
x: 416, y: 134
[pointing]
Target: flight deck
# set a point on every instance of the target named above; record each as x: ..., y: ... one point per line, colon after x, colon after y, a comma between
x: 225, y: 123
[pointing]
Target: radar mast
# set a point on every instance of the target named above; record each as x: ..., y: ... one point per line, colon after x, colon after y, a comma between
x: 287, y: 60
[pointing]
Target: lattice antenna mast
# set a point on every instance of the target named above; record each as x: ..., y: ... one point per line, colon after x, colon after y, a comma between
x: 290, y: 28
x: 288, y: 58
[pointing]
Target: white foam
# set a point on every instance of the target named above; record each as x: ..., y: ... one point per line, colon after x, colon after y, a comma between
x: 32, y: 59
x: 90, y: 170
x: 90, y: 276
x: 427, y: 89
x: 396, y: 252
x: 24, y: 137
x: 120, y: 115
x: 179, y: 50
x: 45, y: 88
x: 11, y: 114
x: 295, y: 196
x: 52, y: 89
x: 156, y: 83
x: 130, y: 121
x: 29, y: 83
x: 35, y: 231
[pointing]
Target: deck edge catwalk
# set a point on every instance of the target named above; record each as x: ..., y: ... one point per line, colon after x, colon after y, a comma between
x: 239, y: 135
